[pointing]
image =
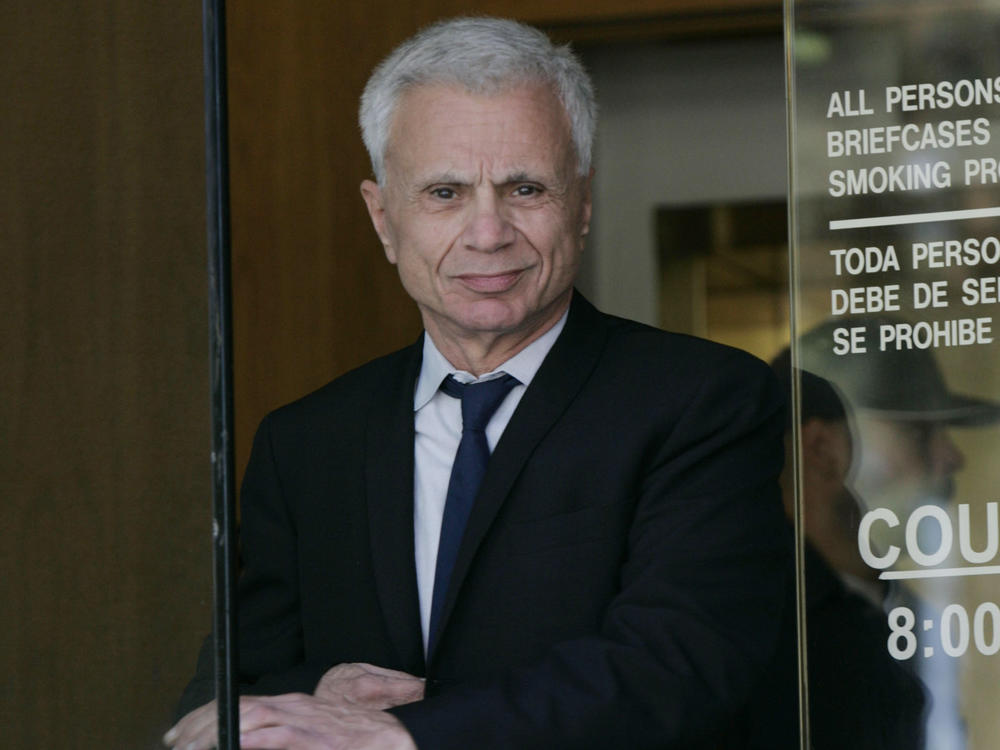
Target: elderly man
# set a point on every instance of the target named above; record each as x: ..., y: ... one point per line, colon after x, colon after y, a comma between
x: 537, y: 527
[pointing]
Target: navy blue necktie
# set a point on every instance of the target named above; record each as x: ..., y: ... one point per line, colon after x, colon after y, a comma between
x: 479, y: 402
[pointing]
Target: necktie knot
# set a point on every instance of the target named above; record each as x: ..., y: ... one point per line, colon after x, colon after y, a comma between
x: 479, y: 400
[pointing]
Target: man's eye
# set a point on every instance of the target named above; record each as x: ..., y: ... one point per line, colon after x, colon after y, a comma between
x: 444, y: 193
x: 527, y: 191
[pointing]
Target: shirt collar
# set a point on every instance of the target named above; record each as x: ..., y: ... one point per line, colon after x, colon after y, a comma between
x: 523, y: 365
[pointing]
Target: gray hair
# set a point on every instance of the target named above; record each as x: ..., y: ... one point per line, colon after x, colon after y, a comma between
x: 482, y: 55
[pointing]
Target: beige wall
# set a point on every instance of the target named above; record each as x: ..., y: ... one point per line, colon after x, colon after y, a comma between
x: 104, y: 415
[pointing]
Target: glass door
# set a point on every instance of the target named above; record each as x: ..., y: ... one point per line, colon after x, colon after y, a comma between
x: 895, y: 248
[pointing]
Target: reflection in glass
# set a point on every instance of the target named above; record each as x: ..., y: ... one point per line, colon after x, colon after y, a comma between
x: 895, y: 197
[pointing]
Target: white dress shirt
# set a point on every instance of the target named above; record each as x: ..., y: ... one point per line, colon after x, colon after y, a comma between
x: 437, y: 423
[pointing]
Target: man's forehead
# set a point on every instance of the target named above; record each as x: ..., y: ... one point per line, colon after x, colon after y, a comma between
x: 532, y: 100
x: 446, y: 133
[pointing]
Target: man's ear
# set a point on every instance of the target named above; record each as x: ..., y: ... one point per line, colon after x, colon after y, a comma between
x: 375, y: 201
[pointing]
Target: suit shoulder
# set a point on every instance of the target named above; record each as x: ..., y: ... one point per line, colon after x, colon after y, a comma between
x: 352, y: 392
x: 657, y: 367
x: 640, y: 345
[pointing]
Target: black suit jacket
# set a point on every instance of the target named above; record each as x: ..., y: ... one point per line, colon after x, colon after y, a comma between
x: 620, y: 579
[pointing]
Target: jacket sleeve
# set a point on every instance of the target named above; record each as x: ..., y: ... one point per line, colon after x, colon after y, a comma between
x: 270, y: 631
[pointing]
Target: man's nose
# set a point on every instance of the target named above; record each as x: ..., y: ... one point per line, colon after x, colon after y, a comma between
x: 489, y: 228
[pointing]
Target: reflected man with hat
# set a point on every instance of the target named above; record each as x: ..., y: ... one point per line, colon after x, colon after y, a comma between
x: 904, y: 458
x: 903, y: 411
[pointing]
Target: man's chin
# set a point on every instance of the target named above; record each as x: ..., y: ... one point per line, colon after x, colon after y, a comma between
x: 493, y: 315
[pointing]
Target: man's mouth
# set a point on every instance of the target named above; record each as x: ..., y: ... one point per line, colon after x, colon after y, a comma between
x: 492, y: 283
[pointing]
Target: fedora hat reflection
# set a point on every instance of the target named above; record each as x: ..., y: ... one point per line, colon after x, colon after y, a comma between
x: 905, y: 384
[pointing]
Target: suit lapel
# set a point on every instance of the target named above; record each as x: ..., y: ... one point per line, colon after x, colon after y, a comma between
x: 389, y: 482
x: 557, y: 382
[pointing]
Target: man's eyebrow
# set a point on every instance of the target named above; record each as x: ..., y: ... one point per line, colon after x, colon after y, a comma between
x: 453, y: 178
x: 442, y: 178
x: 521, y: 176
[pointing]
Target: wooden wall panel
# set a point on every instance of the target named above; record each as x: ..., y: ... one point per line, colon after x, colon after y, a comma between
x: 313, y: 294
x: 104, y: 419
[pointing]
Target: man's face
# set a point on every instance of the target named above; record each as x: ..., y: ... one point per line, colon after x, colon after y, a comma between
x: 903, y: 464
x: 482, y: 210
x: 830, y: 510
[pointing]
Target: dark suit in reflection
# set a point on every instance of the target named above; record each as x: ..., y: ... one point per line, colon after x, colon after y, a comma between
x: 859, y: 696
